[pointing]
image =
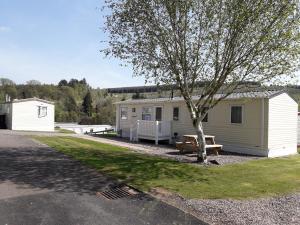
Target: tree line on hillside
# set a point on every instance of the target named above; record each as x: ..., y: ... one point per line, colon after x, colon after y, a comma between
x: 75, y: 100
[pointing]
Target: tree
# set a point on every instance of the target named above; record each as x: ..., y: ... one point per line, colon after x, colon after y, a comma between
x: 220, y: 43
x: 87, y: 104
x: 70, y: 104
x: 73, y: 82
x: 83, y: 81
x: 33, y: 82
x: 6, y: 82
x: 11, y: 91
x: 63, y: 83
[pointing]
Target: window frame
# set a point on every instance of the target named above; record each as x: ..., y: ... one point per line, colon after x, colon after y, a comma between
x: 178, y: 111
x: 150, y: 112
x: 155, y: 113
x: 122, y: 110
x: 133, y: 112
x: 242, y: 114
x: 42, y: 111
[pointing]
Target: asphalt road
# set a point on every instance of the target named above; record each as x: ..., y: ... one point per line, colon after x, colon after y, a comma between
x: 41, y: 186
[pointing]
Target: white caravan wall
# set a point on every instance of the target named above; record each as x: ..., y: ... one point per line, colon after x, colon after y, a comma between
x: 25, y: 116
x: 298, y: 129
x: 282, y: 137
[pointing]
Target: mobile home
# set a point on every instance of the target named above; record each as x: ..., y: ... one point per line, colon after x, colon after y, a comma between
x: 30, y: 114
x: 298, y: 129
x: 256, y: 123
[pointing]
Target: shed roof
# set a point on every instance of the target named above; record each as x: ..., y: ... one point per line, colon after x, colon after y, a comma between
x: 233, y: 96
x: 28, y: 100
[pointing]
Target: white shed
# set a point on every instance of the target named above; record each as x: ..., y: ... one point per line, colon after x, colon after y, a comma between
x: 256, y: 123
x: 30, y: 114
x: 298, y: 128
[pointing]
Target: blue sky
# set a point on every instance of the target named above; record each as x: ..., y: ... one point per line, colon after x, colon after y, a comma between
x: 57, y: 39
x: 50, y: 40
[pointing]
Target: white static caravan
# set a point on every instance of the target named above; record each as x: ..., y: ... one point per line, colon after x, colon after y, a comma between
x: 30, y: 114
x: 255, y: 123
x: 298, y: 128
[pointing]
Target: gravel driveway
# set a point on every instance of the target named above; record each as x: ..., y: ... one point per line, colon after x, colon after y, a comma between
x: 281, y: 210
x: 168, y: 151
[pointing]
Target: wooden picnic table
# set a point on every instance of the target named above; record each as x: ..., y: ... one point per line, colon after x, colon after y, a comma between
x: 210, y: 139
x: 192, y: 142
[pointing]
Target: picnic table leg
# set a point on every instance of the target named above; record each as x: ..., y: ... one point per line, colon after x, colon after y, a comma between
x: 216, y: 151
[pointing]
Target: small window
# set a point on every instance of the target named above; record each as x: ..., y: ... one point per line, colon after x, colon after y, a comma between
x: 133, y: 110
x: 146, y: 113
x: 236, y: 114
x: 205, y: 119
x: 124, y: 113
x: 176, y: 113
x: 42, y: 111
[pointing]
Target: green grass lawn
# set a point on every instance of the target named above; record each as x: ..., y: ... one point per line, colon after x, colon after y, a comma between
x: 64, y: 131
x: 264, y: 177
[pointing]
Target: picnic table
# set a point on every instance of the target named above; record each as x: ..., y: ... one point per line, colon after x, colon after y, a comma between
x: 100, y: 132
x: 190, y: 144
x: 209, y: 139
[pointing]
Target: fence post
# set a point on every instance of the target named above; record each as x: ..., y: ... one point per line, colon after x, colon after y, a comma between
x: 170, y: 132
x: 137, y: 130
x: 131, y: 131
x: 156, y: 132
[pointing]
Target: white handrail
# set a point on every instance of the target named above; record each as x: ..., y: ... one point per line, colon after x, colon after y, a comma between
x: 153, y: 129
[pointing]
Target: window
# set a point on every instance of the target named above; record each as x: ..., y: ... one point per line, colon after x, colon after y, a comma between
x: 123, y: 113
x: 146, y: 113
x: 158, y: 113
x: 205, y: 119
x: 176, y: 113
x: 236, y: 114
x: 133, y: 110
x: 42, y: 111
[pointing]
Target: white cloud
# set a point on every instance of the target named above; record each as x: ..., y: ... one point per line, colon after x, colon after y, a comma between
x: 5, y: 29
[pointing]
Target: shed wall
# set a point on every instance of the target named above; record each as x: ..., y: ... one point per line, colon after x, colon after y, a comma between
x: 25, y: 116
x: 282, y: 136
x: 298, y: 140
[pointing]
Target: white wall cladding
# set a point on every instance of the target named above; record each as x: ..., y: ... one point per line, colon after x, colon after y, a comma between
x: 269, y: 126
x: 25, y: 116
x: 282, y: 127
x: 298, y: 130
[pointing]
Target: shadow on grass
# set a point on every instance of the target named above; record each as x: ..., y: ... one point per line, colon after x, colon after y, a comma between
x: 252, y: 179
x: 136, y: 169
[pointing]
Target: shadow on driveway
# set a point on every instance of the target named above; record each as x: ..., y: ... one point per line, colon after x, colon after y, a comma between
x: 42, y: 167
x: 70, y: 188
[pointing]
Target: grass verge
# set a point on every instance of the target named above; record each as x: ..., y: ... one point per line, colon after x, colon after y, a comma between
x: 64, y: 131
x: 257, y: 178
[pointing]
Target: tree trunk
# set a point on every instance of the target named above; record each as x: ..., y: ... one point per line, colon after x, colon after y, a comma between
x: 202, y: 157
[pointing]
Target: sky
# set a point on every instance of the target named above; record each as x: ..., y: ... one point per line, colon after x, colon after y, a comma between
x: 50, y: 40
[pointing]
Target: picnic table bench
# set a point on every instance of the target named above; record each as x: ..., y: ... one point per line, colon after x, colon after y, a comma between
x: 190, y: 144
x: 100, y: 132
